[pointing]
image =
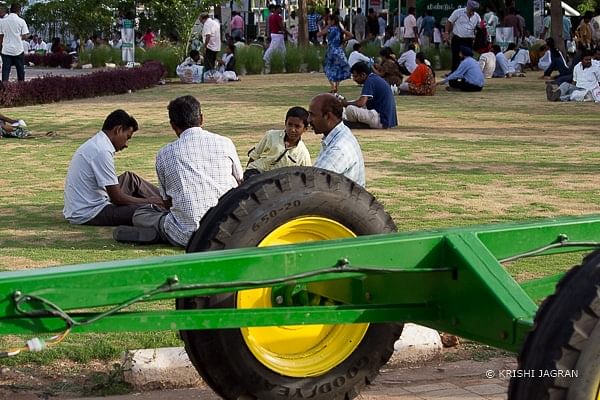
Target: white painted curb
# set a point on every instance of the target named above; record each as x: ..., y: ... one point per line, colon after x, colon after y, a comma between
x: 170, y: 367
x: 166, y: 367
x: 416, y: 344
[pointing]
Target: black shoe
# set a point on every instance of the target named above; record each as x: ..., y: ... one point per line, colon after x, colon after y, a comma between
x: 452, y: 89
x: 551, y: 94
x: 136, y: 234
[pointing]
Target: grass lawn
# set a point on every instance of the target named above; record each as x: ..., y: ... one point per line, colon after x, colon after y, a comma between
x: 504, y: 154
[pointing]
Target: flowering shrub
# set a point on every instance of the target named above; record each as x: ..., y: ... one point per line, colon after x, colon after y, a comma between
x: 53, y: 60
x: 56, y: 88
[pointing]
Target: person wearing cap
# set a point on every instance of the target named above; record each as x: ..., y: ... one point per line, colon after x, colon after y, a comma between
x: 462, y: 23
x: 468, y: 76
x: 211, y: 32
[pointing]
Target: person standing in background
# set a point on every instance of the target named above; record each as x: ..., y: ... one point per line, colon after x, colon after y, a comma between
x: 291, y: 25
x: 410, y: 28
x: 211, y: 32
x: 491, y: 23
x: 148, y: 39
x: 13, y: 30
x: 360, y: 24
x: 462, y: 23
x: 426, y: 30
x: 237, y: 25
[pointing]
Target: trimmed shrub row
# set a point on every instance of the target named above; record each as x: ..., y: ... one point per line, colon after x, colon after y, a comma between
x: 53, y: 60
x: 99, y: 56
x: 249, y: 60
x: 57, y: 88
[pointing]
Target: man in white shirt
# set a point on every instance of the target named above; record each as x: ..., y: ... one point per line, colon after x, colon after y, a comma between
x: 340, y: 151
x: 586, y: 77
x: 12, y: 32
x: 38, y: 44
x: 410, y: 28
x: 408, y: 60
x: 357, y: 56
x: 193, y: 172
x: 487, y: 62
x: 462, y: 23
x: 94, y: 194
x: 503, y: 68
x: 211, y: 32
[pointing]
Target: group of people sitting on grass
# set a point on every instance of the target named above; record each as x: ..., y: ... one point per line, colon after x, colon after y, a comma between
x: 195, y: 170
x: 581, y: 83
x: 192, y: 69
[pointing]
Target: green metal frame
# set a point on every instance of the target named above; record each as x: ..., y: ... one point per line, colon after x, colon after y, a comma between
x: 449, y: 280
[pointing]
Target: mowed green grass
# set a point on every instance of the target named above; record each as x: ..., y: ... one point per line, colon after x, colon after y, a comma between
x: 505, y: 154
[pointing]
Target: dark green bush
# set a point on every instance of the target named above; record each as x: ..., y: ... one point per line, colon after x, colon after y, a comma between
x: 277, y: 62
x: 165, y: 54
x: 294, y: 57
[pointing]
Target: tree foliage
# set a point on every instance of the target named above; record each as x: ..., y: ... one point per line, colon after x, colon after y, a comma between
x: 80, y: 17
x: 174, y: 19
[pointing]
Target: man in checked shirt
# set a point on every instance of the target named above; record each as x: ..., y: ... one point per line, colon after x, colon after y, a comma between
x: 193, y: 172
x: 340, y: 151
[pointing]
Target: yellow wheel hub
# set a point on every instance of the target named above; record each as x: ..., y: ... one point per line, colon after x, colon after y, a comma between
x: 300, y: 350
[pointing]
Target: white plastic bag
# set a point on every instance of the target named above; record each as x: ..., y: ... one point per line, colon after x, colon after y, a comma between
x: 190, y: 73
x: 578, y: 95
x: 596, y: 94
x: 214, y: 76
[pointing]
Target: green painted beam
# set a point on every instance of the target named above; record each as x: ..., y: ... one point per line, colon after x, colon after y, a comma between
x: 539, y: 289
x: 226, y: 318
x: 454, y: 272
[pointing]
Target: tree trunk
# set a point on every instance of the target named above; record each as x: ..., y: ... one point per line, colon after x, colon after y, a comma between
x: 556, y: 13
x: 410, y: 3
x: 302, y: 24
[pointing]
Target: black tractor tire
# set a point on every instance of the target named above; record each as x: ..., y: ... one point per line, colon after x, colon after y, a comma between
x: 560, y: 357
x: 243, y: 217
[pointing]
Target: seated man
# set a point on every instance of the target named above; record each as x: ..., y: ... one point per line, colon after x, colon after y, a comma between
x: 468, y: 76
x: 520, y: 60
x: 586, y: 77
x: 194, y: 171
x: 94, y: 195
x: 407, y: 60
x: 340, y: 151
x: 190, y: 70
x: 376, y: 107
x: 503, y: 67
x: 487, y: 63
x: 357, y: 56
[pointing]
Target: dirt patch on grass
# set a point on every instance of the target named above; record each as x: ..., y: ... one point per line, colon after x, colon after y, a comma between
x: 12, y: 263
x: 64, y: 378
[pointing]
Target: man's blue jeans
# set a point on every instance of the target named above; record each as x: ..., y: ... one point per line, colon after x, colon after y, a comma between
x: 18, y: 62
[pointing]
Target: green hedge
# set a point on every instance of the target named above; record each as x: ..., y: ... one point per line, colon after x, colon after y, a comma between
x: 99, y: 56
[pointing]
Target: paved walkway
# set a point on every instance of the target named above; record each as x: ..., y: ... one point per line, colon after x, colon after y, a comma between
x: 460, y: 380
x: 35, y: 72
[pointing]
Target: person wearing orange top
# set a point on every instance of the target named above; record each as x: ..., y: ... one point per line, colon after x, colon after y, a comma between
x: 421, y: 82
